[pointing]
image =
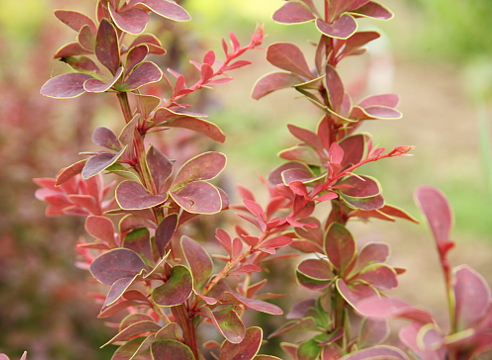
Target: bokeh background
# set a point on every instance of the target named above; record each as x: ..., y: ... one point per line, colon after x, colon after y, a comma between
x: 436, y: 55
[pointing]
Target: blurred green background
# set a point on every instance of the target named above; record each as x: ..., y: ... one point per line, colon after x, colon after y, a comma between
x: 438, y: 57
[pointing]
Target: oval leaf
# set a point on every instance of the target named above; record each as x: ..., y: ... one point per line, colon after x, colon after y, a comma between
x: 289, y: 57
x: 198, y: 197
x: 176, y: 289
x: 293, y: 13
x: 131, y: 195
x: 100, y: 162
x: 164, y: 8
x: 246, y: 349
x: 107, y: 46
x: 205, y: 166
x: 65, y: 86
x: 340, y: 246
x: 170, y: 349
x: 274, y: 81
x: 198, y: 260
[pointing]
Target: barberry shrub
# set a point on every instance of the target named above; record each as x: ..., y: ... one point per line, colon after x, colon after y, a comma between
x: 166, y: 283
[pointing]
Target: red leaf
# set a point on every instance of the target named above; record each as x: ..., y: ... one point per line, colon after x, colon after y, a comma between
x: 132, y: 21
x: 372, y: 253
x: 302, y: 170
x: 107, y: 46
x: 155, y: 46
x: 246, y: 349
x: 86, y: 38
x: 167, y: 9
x: 164, y: 233
x: 380, y: 276
x: 198, y: 125
x: 336, y: 91
x: 117, y: 264
x: 101, y: 228
x: 131, y: 331
x: 198, y: 197
x: 177, y: 288
x: 100, y: 162
x: 205, y: 166
x: 75, y: 20
x: 362, y: 186
x: 355, y: 293
x: 224, y: 239
x: 98, y: 86
x: 289, y: 57
x: 69, y: 172
x: 145, y: 73
x: 342, y: 28
x: 307, y: 136
x: 65, y: 86
x: 293, y: 13
x: 337, y: 8
x: 437, y: 211
x: 273, y: 82
x: 314, y: 274
x: 301, y: 153
x: 374, y: 10
x: 82, y: 64
x: 135, y: 56
x: 198, y: 260
x: 138, y: 240
x: 472, y: 296
x: 388, y: 100
x: 358, y: 40
x: 276, y: 242
x: 131, y: 195
x: 229, y: 324
x: 170, y: 349
x: 339, y: 247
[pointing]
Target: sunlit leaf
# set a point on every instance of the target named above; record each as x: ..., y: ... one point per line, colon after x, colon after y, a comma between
x: 164, y: 8
x: 65, y: 86
x: 107, y: 46
x: 289, y: 57
x: 198, y: 197
x: 340, y: 246
x: 132, y: 21
x: 274, y: 81
x: 342, y: 28
x: 131, y: 195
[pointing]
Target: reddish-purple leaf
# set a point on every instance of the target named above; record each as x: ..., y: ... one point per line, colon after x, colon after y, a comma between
x: 276, y: 242
x: 276, y: 178
x: 385, y: 308
x: 305, y: 324
x: 289, y: 57
x: 117, y: 264
x: 342, y: 28
x: 307, y: 136
x: 362, y: 186
x: 164, y: 233
x: 335, y: 87
x: 372, y: 332
x: 302, y: 153
x: 105, y: 137
x: 160, y: 167
x: 437, y: 211
x: 472, y: 296
x: 167, y: 9
x: 97, y: 86
x: 65, y: 86
x: 314, y: 234
x: 100, y: 162
x: 246, y: 349
x: 137, y: 328
x: 374, y: 10
x: 69, y: 172
x: 177, y: 288
x: 143, y: 74
x: 380, y: 276
x: 170, y: 349
x: 131, y: 195
x: 75, y: 20
x: 128, y: 350
x: 336, y: 8
x: 198, y: 125
x: 198, y: 260
x: 340, y: 246
x: 376, y: 112
x: 82, y: 64
x: 107, y: 46
x: 198, y: 197
x: 101, y: 228
x: 293, y: 13
x: 396, y: 212
x: 388, y: 100
x: 135, y: 56
x: 205, y: 166
x: 382, y: 352
x: 132, y: 21
x: 357, y: 40
x: 229, y: 297
x: 372, y: 253
x: 86, y: 38
x: 366, y: 204
x: 138, y: 240
x: 272, y: 82
x: 228, y: 322
x: 355, y: 293
x: 314, y: 274
x: 155, y: 46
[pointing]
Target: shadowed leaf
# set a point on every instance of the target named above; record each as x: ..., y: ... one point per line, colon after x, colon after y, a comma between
x: 86, y: 38
x: 339, y: 246
x: 177, y: 288
x: 246, y: 349
x: 97, y: 86
x: 134, y: 57
x: 145, y: 73
x: 353, y: 294
x: 372, y: 332
x: 117, y: 264
x: 164, y: 232
x: 160, y: 167
x: 155, y: 46
x: 314, y: 274
x: 335, y: 87
x: 138, y: 240
x: 131, y: 195
x: 137, y: 328
x: 128, y: 350
x: 380, y: 276
x: 274, y: 81
x: 105, y: 137
x: 229, y: 324
x: 72, y: 49
x: 198, y: 260
x: 100, y: 162
x: 107, y: 46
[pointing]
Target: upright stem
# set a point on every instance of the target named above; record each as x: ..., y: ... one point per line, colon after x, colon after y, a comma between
x: 186, y: 321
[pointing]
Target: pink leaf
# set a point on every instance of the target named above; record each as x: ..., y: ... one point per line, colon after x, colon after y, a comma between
x: 246, y: 349
x: 472, y: 296
x: 293, y: 13
x: 131, y: 195
x: 65, y: 86
x: 374, y: 10
x: 273, y: 82
x: 205, y: 166
x: 378, y: 352
x: 198, y: 125
x: 388, y: 100
x: 307, y: 136
x: 302, y: 153
x: 198, y: 197
x: 380, y: 276
x: 229, y: 324
x: 342, y: 28
x: 355, y: 293
x: 314, y: 274
x: 117, y: 264
x: 101, y: 228
x: 132, y: 21
x: 167, y: 9
x: 372, y: 332
x: 289, y: 57
x: 75, y: 20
